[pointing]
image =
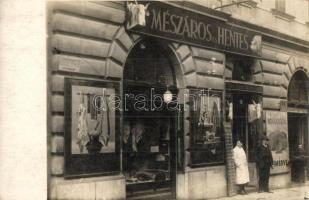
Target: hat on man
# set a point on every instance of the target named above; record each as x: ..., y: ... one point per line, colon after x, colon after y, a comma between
x: 264, y: 137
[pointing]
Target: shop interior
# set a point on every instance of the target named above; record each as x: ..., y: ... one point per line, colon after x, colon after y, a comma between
x: 149, y: 127
x: 246, y: 99
x: 246, y: 122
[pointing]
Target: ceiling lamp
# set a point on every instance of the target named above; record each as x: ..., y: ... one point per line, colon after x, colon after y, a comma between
x: 167, y: 96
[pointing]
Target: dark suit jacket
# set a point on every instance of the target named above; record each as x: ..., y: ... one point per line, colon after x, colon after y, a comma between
x: 127, y: 147
x: 264, y: 157
x: 134, y: 160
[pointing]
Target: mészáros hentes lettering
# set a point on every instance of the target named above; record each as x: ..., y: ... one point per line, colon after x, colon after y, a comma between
x: 169, y: 22
x: 180, y: 25
x: 189, y: 27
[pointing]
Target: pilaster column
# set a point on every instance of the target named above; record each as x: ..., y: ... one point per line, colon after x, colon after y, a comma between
x: 230, y: 167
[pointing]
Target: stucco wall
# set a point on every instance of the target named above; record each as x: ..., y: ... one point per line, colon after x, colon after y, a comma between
x: 202, y: 183
x: 280, y: 181
x: 259, y: 13
x: 102, y: 188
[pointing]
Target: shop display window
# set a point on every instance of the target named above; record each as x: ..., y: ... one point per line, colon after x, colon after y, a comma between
x: 207, y: 139
x: 92, y: 128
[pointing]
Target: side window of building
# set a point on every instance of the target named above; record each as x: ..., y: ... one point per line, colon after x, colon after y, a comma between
x: 284, y: 11
x: 280, y: 5
x: 242, y: 69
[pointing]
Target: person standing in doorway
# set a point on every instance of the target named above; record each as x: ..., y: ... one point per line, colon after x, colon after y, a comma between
x: 299, y: 163
x: 264, y: 161
x: 241, y: 164
x: 126, y: 146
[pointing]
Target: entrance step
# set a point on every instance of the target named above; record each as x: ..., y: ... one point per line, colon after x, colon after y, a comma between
x: 151, y: 195
x: 251, y: 189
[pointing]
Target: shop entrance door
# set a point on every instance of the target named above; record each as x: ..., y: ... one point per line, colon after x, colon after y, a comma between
x: 149, y: 127
x: 246, y: 130
x: 149, y: 149
x: 298, y: 145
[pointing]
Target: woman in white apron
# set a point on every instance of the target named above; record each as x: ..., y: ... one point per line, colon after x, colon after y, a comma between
x: 241, y: 165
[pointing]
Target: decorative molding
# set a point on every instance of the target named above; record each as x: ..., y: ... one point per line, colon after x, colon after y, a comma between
x: 298, y: 104
x: 200, y: 9
x: 282, y: 15
x: 243, y: 86
x: 274, y: 37
x: 249, y: 4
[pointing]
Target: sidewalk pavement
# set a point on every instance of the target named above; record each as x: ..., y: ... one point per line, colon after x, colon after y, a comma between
x: 296, y: 192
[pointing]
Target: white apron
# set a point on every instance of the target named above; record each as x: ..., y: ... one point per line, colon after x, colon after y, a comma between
x: 241, y: 165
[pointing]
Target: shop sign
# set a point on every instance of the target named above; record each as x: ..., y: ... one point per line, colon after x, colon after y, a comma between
x: 162, y: 20
x: 277, y: 128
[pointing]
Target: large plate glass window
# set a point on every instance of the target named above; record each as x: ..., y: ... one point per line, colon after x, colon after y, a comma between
x: 207, y: 146
x: 91, y: 128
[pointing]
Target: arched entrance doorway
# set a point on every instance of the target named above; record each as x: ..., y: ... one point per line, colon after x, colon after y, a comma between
x: 298, y: 124
x: 245, y: 97
x: 150, y: 121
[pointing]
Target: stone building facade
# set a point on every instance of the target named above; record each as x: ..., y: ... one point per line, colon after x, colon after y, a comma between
x: 89, y: 41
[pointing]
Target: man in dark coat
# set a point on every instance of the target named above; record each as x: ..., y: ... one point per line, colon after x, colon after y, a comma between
x: 264, y: 161
x: 127, y: 146
x: 134, y: 147
x: 299, y: 164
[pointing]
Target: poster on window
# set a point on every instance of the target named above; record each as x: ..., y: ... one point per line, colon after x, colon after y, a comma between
x: 277, y: 129
x: 93, y: 123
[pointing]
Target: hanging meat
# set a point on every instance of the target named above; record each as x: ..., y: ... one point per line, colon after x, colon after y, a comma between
x: 100, y: 134
x: 105, y: 123
x: 82, y: 127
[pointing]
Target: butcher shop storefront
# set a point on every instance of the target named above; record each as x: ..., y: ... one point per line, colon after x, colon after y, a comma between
x: 147, y: 100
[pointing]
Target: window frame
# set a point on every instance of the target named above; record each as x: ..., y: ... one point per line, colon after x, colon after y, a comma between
x: 280, y: 5
x: 197, y: 148
x: 88, y: 165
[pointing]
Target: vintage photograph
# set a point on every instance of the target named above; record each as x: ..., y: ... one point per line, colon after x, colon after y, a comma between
x: 199, y: 99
